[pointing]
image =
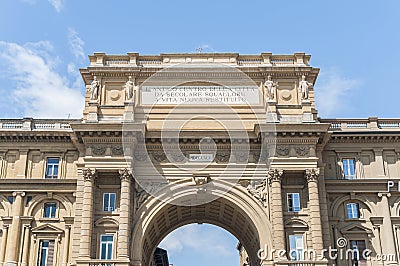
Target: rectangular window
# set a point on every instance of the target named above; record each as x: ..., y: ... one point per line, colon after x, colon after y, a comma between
x: 109, y: 202
x: 296, y: 247
x: 52, y: 167
x: 358, y: 247
x: 106, y: 247
x: 46, y: 253
x: 50, y: 209
x: 349, y: 169
x: 293, y: 202
x: 352, y: 211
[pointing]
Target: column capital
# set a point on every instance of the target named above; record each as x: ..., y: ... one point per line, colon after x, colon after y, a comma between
x: 384, y: 194
x: 274, y: 175
x: 312, y: 175
x: 125, y: 174
x: 89, y: 174
x: 5, y: 226
x: 18, y: 193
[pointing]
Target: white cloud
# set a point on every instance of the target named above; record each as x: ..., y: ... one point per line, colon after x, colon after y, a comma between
x: 40, y: 91
x: 333, y: 92
x: 57, y: 4
x: 76, y: 44
x: 205, y: 239
x: 205, y: 48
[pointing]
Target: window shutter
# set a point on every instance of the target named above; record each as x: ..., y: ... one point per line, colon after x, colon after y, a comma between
x: 50, y: 257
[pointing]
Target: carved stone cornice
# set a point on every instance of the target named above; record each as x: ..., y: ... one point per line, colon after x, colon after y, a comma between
x: 125, y: 174
x: 364, y: 138
x: 89, y: 174
x: 312, y: 175
x: 274, y: 175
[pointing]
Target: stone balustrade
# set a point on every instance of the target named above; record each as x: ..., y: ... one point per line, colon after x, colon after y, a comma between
x: 136, y: 60
x: 369, y: 124
x: 31, y: 124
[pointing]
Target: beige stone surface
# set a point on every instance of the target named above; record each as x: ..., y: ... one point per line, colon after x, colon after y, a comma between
x: 290, y: 150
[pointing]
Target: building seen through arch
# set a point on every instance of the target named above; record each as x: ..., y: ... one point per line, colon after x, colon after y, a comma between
x: 221, y: 138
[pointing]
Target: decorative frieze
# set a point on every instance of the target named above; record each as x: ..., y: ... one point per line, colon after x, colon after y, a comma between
x: 99, y: 149
x: 222, y: 156
x: 302, y: 150
x: 282, y: 150
x: 141, y: 155
x: 117, y: 150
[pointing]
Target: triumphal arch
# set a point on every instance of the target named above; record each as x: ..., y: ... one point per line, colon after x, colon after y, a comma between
x: 226, y: 139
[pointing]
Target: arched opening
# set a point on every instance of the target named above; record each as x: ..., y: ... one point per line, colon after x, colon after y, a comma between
x: 235, y: 211
x: 201, y: 244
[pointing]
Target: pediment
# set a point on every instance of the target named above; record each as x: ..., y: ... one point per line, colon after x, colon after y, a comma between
x: 355, y: 229
x: 106, y: 222
x: 47, y: 229
x: 296, y: 223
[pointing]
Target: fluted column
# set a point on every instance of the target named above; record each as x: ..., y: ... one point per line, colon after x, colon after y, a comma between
x: 3, y: 243
x: 314, y: 209
x: 274, y: 180
x: 124, y: 213
x: 25, y: 251
x: 388, y: 245
x: 89, y: 176
x: 66, y: 245
x: 14, y: 236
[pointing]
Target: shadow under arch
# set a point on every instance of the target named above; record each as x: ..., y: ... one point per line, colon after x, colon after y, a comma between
x: 234, y: 210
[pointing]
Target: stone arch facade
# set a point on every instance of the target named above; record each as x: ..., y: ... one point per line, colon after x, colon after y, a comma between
x: 235, y: 211
x: 334, y: 210
x: 38, y: 200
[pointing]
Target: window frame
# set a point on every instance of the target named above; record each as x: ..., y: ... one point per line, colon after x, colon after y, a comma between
x: 299, y: 251
x: 107, y: 208
x: 47, y: 249
x: 356, y: 261
x: 55, y: 210
x: 292, y: 207
x: 52, y: 176
x: 107, y: 246
x: 358, y: 216
x: 346, y: 168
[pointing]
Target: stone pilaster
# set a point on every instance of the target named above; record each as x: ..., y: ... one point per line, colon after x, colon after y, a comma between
x: 314, y: 208
x: 25, y: 251
x: 324, y: 209
x: 3, y: 164
x: 89, y: 176
x: 274, y: 179
x: 388, y: 244
x: 3, y: 243
x: 67, y: 233
x: 14, y: 235
x: 124, y: 213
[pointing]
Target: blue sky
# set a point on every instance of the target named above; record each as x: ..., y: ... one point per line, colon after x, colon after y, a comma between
x: 43, y: 43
